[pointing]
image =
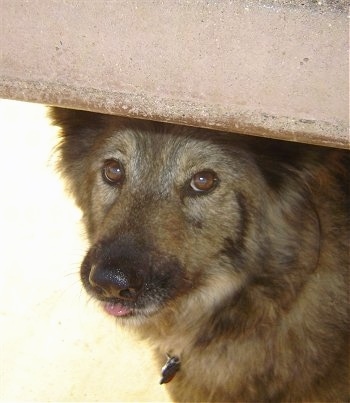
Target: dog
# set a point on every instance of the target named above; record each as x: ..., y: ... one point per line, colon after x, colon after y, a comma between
x: 230, y: 253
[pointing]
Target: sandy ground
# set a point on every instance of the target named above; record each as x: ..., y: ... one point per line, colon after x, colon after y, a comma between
x: 55, y: 344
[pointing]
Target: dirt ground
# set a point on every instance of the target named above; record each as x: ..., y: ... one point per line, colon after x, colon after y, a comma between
x: 56, y: 345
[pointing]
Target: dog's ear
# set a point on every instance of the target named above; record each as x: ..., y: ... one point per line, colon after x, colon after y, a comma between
x: 78, y: 133
x: 73, y: 121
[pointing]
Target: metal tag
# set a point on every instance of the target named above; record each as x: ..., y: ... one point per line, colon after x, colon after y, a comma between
x: 170, y: 368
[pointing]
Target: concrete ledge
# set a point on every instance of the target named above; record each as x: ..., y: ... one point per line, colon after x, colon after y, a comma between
x: 266, y: 68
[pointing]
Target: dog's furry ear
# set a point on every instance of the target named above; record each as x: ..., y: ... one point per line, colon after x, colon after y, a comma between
x: 73, y: 121
x: 79, y: 130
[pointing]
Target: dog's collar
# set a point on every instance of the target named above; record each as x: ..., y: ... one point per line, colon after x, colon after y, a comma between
x: 170, y: 368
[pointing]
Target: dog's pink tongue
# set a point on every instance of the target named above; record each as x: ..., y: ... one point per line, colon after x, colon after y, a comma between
x: 116, y: 309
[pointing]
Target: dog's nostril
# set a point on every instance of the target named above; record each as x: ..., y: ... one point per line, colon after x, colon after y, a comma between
x: 100, y: 291
x: 128, y: 293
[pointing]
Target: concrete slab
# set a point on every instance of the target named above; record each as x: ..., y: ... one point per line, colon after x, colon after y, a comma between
x: 270, y: 68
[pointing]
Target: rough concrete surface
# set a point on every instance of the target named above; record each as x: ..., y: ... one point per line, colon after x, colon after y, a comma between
x: 271, y: 68
x: 56, y: 345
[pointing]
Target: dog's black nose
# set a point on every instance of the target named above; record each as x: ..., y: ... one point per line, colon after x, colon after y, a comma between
x: 115, y: 283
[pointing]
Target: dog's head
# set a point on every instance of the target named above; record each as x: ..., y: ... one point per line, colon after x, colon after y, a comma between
x: 169, y: 210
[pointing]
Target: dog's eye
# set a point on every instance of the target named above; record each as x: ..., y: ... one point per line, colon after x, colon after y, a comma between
x: 204, y: 181
x: 113, y: 172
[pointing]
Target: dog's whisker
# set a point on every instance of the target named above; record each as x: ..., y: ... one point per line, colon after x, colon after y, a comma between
x: 74, y: 273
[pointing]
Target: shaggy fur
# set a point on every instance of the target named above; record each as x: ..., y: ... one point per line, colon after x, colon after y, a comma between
x: 246, y: 280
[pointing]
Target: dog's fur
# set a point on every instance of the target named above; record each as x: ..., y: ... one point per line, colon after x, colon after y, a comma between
x: 247, y: 282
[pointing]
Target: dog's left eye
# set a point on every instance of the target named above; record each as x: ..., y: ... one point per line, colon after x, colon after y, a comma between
x: 204, y: 181
x: 113, y: 172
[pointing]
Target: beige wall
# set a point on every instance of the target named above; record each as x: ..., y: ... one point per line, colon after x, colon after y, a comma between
x: 55, y: 344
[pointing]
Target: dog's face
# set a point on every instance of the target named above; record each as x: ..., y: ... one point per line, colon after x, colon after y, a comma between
x: 179, y: 218
x: 157, y: 203
x: 167, y: 212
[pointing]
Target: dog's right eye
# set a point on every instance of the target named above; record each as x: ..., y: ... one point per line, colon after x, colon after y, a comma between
x: 113, y: 172
x: 204, y: 181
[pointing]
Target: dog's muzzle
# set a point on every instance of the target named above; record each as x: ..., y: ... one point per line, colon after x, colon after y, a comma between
x: 129, y: 277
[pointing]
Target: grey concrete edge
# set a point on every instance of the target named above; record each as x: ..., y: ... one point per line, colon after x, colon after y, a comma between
x: 141, y: 106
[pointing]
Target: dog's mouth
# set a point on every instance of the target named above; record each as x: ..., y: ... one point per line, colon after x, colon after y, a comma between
x: 117, y: 309
x: 121, y: 310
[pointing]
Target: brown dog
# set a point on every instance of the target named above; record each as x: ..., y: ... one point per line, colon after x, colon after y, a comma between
x: 230, y: 253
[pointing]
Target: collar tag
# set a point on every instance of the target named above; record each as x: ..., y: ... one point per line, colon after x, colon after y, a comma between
x: 170, y: 368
